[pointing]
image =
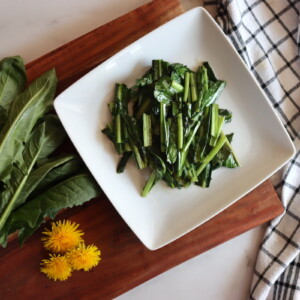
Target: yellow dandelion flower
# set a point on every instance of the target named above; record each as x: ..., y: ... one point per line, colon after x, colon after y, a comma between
x: 83, y: 257
x: 56, y: 267
x: 62, y: 237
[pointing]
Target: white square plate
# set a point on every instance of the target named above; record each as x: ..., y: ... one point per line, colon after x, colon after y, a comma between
x: 260, y: 141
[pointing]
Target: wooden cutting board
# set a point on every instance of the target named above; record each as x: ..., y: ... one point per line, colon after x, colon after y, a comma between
x: 125, y: 263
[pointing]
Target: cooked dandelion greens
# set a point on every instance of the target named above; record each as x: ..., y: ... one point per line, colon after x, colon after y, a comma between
x: 175, y: 127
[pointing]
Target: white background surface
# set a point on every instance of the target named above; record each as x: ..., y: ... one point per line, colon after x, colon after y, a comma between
x: 34, y: 27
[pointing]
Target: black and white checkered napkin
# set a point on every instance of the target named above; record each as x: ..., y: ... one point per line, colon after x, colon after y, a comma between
x: 266, y: 34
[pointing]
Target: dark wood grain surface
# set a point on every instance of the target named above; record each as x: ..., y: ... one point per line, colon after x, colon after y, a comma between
x: 126, y: 262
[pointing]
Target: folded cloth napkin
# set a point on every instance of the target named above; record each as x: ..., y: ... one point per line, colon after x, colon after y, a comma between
x: 266, y: 35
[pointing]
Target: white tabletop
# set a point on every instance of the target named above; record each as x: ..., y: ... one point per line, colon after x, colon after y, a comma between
x: 34, y: 27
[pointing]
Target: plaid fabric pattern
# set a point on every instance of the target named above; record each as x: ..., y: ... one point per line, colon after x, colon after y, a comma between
x: 266, y: 34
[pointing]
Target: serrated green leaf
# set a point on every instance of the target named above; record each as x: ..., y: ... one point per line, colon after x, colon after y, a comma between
x: 54, y: 135
x: 12, y: 79
x: 71, y: 192
x: 23, y: 114
x: 20, y: 173
x: 39, y: 174
x: 58, y: 173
